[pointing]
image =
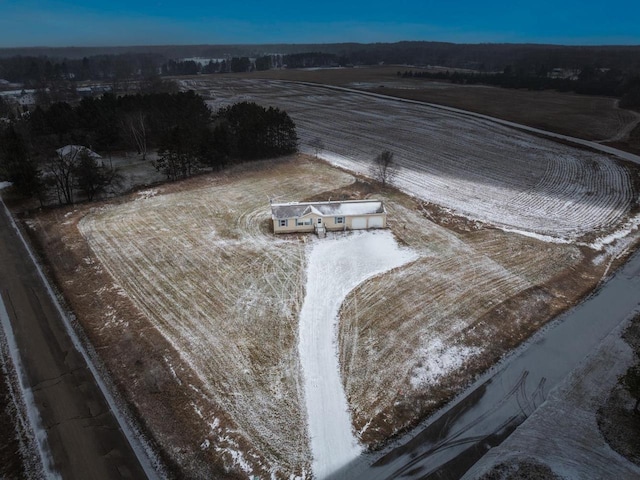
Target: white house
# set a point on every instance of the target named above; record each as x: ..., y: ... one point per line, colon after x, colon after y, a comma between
x: 328, y: 216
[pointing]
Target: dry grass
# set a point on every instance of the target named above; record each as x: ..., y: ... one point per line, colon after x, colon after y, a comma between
x: 203, y: 268
x: 471, y: 296
x: 15, y: 457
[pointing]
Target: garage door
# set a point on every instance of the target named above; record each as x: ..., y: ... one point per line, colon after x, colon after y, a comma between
x: 359, y: 223
x: 375, y: 222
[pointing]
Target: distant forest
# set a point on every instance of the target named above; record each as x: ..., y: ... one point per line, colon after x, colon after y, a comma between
x: 598, y: 70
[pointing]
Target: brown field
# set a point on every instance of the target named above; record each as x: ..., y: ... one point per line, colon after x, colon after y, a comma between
x: 474, y: 290
x: 582, y: 116
x: 192, y: 305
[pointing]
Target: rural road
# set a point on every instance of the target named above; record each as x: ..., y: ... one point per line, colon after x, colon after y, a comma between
x: 84, y: 439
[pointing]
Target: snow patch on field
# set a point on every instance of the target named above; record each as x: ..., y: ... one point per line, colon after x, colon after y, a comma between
x: 237, y: 458
x: 145, y: 194
x: 4, y: 185
x: 335, y: 266
x: 438, y: 359
x: 537, y: 236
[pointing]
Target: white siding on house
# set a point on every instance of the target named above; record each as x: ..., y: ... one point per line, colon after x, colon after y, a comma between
x: 332, y: 216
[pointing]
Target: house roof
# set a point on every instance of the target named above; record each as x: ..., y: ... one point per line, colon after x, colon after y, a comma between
x: 73, y: 150
x: 326, y: 209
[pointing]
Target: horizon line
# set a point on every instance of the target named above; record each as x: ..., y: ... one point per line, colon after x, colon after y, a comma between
x: 161, y: 45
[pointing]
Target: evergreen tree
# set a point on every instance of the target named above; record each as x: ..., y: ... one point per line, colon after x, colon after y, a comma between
x: 17, y: 165
x: 256, y: 132
x: 93, y: 178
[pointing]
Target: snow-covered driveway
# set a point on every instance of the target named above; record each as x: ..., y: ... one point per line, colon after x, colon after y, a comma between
x: 336, y: 265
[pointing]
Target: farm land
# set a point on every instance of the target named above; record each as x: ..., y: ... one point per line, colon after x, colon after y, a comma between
x: 192, y: 304
x: 589, y: 117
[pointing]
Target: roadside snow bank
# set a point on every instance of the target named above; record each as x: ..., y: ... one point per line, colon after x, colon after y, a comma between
x: 336, y: 265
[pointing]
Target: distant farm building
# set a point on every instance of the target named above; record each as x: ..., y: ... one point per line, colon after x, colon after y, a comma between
x: 321, y: 217
x: 70, y: 152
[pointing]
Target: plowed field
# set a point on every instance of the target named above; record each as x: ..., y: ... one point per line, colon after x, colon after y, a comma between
x: 476, y: 167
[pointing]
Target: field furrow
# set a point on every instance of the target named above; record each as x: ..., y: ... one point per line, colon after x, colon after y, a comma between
x: 203, y: 268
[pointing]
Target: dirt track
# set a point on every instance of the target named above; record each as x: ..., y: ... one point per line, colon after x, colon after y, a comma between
x: 84, y: 438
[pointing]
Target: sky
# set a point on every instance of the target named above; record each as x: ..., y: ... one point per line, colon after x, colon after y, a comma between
x: 59, y: 23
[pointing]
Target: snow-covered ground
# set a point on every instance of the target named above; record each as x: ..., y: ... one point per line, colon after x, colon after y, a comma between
x: 336, y: 265
x: 229, y: 297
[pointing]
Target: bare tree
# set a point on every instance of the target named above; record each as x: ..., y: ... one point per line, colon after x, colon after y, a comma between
x: 61, y: 168
x: 135, y: 125
x: 384, y: 168
x: 75, y: 166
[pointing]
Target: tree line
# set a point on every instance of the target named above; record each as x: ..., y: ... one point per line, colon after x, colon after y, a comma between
x: 39, y: 72
x: 43, y: 153
x: 610, y: 71
x: 31, y: 66
x: 586, y: 81
x: 604, y: 70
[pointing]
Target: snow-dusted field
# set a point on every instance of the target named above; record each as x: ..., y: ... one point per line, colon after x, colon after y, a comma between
x: 209, y: 276
x: 403, y: 334
x: 479, y: 168
x: 336, y: 265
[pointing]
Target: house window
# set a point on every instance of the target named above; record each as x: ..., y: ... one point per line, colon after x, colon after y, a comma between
x: 284, y: 223
x: 300, y: 222
x: 339, y: 220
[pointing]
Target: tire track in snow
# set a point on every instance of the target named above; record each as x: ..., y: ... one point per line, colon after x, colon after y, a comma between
x: 335, y: 266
